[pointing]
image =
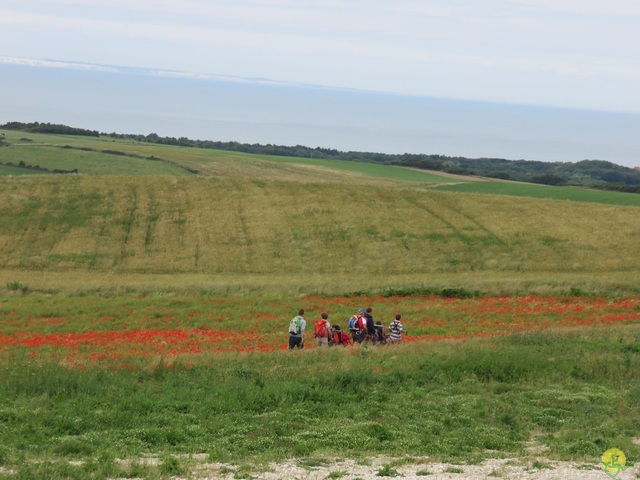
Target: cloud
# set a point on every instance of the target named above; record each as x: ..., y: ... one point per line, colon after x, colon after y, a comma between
x: 62, y: 64
x: 34, y: 62
x: 585, y: 7
x: 403, y: 46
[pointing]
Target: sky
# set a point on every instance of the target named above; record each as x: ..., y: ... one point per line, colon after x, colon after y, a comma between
x: 581, y: 54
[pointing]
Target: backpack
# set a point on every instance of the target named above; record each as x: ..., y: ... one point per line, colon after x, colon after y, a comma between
x: 341, y: 338
x: 395, y: 327
x: 320, y: 329
x: 294, y: 326
x: 352, y: 323
x: 361, y: 323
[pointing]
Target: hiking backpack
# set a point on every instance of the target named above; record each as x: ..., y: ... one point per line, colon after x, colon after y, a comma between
x: 294, y: 326
x: 320, y: 329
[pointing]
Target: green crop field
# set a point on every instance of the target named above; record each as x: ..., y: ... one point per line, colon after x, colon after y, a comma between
x: 144, y: 307
x: 9, y: 170
x: 543, y: 191
x: 108, y: 156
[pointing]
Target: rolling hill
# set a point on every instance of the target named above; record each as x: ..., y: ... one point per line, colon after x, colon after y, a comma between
x: 159, y: 217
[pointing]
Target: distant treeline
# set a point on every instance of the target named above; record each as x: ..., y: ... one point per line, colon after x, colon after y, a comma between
x: 590, y: 173
x: 256, y: 148
x: 37, y: 127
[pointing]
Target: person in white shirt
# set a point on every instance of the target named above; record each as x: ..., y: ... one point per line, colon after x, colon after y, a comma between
x: 297, y: 326
x: 396, y: 330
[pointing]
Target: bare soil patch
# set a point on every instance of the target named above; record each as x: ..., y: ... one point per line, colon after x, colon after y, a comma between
x: 512, y: 469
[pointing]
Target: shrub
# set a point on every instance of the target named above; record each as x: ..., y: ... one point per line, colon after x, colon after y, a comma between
x: 338, y: 474
x: 73, y: 447
x: 18, y: 287
x: 171, y: 466
x: 453, y: 470
x: 387, y: 471
x: 456, y: 293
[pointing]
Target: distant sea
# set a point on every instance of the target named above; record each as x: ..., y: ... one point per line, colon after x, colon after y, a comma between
x: 255, y: 111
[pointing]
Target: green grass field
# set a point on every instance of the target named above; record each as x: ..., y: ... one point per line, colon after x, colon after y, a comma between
x: 9, y: 170
x: 543, y: 191
x: 460, y: 403
x: 108, y: 156
x: 151, y: 241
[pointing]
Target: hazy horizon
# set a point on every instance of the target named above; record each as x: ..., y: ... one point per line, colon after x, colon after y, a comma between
x: 219, y: 108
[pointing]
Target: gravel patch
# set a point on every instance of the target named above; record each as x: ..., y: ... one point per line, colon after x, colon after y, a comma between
x: 511, y: 469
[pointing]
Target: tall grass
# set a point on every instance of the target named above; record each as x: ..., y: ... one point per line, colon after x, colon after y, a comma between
x: 575, y: 393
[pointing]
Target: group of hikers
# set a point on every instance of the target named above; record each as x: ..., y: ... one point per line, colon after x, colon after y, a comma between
x: 361, y: 328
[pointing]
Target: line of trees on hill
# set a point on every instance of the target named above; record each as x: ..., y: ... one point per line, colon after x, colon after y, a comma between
x: 37, y: 127
x: 590, y: 173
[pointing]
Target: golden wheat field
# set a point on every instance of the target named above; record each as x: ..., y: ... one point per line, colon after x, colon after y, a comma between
x: 228, y: 233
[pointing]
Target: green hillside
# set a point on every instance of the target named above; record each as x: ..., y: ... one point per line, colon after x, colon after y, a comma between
x: 153, y: 216
x: 93, y: 155
x: 107, y: 156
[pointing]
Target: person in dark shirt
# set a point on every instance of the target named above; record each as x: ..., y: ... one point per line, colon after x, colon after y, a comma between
x: 371, y: 327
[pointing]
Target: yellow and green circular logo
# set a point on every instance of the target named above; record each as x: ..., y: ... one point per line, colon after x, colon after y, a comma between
x: 614, y: 461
